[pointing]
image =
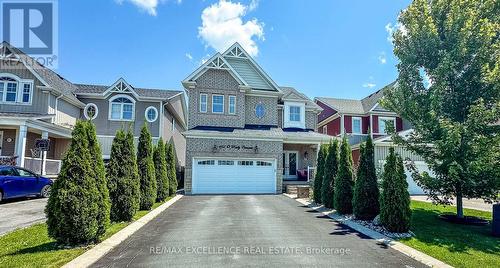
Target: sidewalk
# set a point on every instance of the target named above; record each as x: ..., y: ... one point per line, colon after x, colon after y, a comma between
x: 477, y: 204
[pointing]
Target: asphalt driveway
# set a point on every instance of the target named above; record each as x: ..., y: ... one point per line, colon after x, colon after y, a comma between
x: 19, y: 213
x: 248, y: 230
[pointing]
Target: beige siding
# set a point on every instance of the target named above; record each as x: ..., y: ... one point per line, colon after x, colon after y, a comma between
x: 66, y: 114
x: 106, y: 141
x: 381, y: 152
x: 174, y: 137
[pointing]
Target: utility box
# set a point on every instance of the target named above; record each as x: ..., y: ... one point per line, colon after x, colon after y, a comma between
x: 495, y: 223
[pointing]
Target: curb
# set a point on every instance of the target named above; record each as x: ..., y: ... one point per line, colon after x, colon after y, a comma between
x: 409, y: 251
x: 101, y: 249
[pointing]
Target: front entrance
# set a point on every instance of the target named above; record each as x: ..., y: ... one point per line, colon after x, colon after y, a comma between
x: 290, y: 165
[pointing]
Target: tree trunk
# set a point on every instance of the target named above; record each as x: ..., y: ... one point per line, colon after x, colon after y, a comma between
x: 460, y: 208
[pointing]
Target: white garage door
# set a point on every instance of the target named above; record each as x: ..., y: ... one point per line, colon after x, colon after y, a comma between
x: 413, y: 188
x: 233, y: 176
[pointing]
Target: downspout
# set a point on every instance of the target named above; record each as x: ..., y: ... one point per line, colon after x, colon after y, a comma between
x: 55, y: 108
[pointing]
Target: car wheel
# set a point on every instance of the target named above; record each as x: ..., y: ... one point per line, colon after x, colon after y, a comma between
x: 45, y: 192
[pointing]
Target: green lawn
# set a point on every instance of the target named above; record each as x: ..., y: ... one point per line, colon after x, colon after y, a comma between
x: 455, y: 244
x: 32, y: 247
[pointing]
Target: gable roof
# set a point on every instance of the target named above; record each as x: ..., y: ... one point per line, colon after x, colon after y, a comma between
x: 290, y: 93
x: 241, y: 66
x: 350, y: 106
x: 88, y: 89
x: 48, y: 77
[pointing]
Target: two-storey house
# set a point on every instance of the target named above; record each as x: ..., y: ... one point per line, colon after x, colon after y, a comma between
x: 245, y: 133
x: 357, y: 119
x: 36, y: 102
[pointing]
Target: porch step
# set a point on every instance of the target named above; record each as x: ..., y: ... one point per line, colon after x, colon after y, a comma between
x: 301, y: 191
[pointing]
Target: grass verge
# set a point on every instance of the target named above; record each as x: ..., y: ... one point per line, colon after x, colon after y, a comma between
x: 455, y: 244
x: 32, y: 247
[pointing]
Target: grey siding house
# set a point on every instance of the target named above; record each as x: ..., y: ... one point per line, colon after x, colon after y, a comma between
x: 245, y: 133
x: 36, y: 102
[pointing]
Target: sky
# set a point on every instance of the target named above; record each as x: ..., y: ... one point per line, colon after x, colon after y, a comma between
x: 328, y: 48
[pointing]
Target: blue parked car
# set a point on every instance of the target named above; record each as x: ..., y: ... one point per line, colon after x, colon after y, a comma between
x: 19, y: 182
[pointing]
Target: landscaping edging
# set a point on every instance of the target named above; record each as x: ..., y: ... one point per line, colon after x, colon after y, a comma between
x: 101, y: 249
x: 409, y: 251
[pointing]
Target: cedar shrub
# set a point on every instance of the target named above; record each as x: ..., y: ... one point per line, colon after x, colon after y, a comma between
x: 366, y: 194
x: 172, y: 175
x: 395, y: 212
x: 73, y: 206
x: 146, y: 169
x: 330, y: 171
x: 320, y: 171
x: 160, y: 162
x: 123, y: 179
x: 344, y: 180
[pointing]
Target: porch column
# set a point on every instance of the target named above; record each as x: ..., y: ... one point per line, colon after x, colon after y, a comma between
x: 21, y: 145
x: 45, y: 135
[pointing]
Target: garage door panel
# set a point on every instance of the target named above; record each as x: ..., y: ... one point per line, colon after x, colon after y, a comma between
x: 233, y: 176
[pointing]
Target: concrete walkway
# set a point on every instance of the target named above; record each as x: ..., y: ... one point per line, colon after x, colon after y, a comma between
x: 477, y: 204
x: 20, y: 213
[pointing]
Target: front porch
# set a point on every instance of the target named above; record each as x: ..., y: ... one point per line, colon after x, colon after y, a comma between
x: 17, y: 142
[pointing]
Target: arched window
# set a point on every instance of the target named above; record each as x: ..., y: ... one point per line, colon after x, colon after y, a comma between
x: 15, y: 90
x: 121, y: 108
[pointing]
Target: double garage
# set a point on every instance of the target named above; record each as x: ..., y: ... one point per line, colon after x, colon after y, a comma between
x: 234, y: 176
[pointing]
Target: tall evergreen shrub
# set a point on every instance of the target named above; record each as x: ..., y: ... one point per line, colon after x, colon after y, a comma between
x: 100, y: 177
x: 162, y: 183
x: 366, y: 193
x: 172, y: 175
x: 330, y: 171
x: 395, y: 212
x: 73, y: 206
x: 123, y: 178
x: 344, y: 180
x: 320, y: 171
x: 146, y: 169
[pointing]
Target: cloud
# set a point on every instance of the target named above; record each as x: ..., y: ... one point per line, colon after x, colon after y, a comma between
x: 189, y: 56
x: 253, y: 5
x: 223, y: 25
x: 147, y: 5
x: 391, y: 29
x: 204, y: 59
x: 382, y: 58
x: 369, y: 85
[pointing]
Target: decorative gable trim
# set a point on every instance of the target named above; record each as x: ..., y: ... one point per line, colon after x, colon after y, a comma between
x: 122, y: 87
x: 7, y: 54
x: 215, y: 62
x: 237, y: 49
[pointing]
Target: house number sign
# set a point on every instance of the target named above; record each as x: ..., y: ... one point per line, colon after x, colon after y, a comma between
x: 233, y: 147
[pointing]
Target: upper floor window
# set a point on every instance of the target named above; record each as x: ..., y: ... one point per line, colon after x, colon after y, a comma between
x: 295, y: 113
x: 356, y: 125
x: 151, y: 114
x: 232, y: 105
x: 15, y: 90
x: 122, y: 108
x: 203, y: 103
x: 384, y: 122
x: 218, y: 104
x: 325, y: 129
x: 90, y: 111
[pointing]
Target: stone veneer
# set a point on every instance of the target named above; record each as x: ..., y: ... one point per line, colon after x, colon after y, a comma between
x: 200, y: 147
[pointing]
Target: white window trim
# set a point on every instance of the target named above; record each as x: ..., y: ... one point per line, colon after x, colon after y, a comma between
x: 146, y: 114
x: 325, y: 129
x: 229, y: 104
x: 384, y: 118
x: 286, y: 115
x: 360, y: 125
x: 121, y: 119
x: 85, y: 113
x: 173, y: 123
x: 20, y: 88
x: 215, y: 95
x: 206, y: 102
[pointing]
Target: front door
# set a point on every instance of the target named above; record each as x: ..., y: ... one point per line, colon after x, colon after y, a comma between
x: 290, y: 165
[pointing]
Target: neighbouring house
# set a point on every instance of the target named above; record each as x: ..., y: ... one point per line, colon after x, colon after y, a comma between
x: 36, y: 102
x: 245, y: 133
x: 356, y: 119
